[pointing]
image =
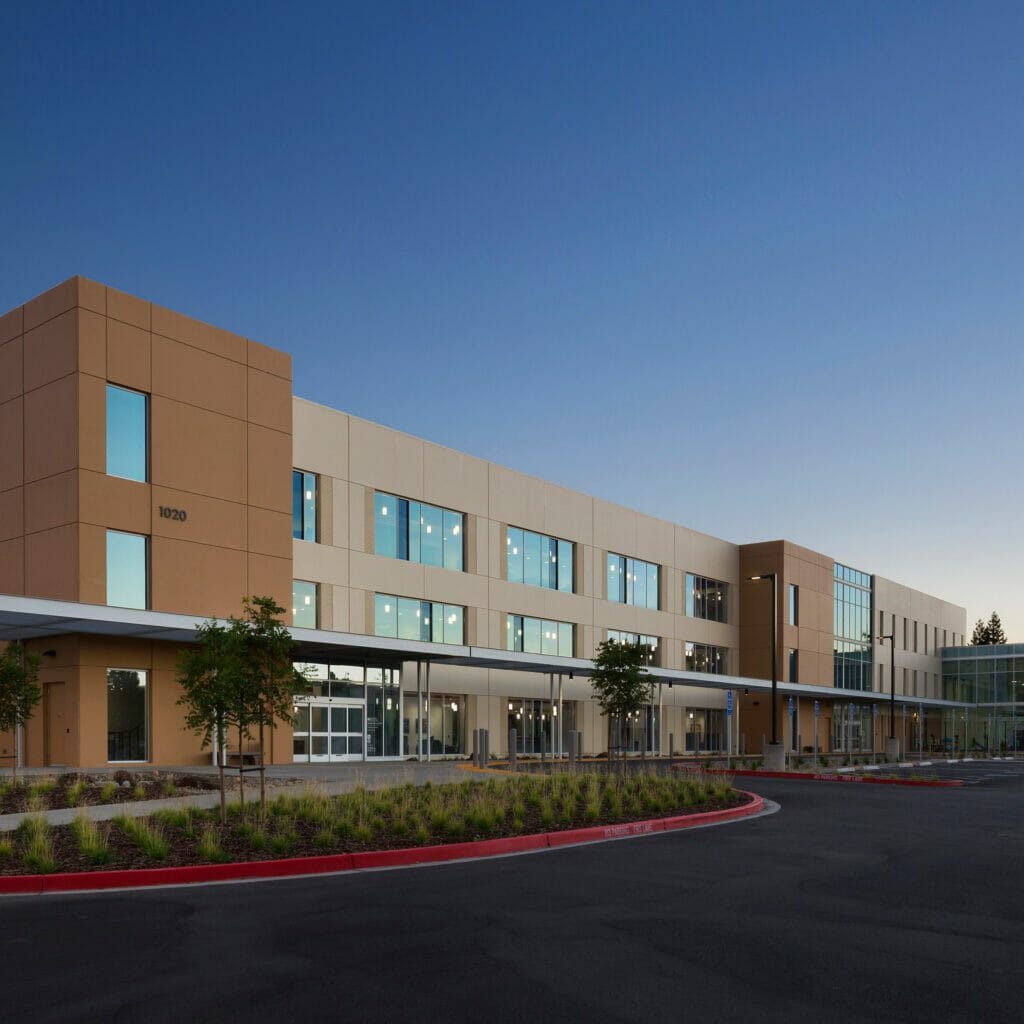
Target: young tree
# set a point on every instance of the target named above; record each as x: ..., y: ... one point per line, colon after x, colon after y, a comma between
x: 210, y: 678
x: 620, y: 683
x: 980, y: 634
x: 271, y: 675
x: 19, y: 691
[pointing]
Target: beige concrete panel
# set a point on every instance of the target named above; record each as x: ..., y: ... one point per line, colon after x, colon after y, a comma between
x: 92, y: 423
x: 385, y: 459
x: 517, y: 598
x: 358, y: 499
x: 270, y: 401
x: 711, y: 557
x: 325, y: 512
x: 319, y: 562
x: 454, y: 587
x: 339, y: 509
x: 590, y: 582
x: 517, y: 499
x: 568, y: 514
x: 491, y: 558
x: 114, y: 503
x: 128, y: 309
x: 196, y: 579
x: 51, y: 350
x: 12, y: 513
x: 92, y: 564
x: 340, y: 603
x: 191, y: 375
x: 51, y: 559
x: 12, y: 324
x: 615, y: 528
x: 51, y: 429
x: 92, y: 343
x: 319, y: 439
x: 272, y: 577
x: 11, y: 369
x: 610, y: 615
x: 655, y: 540
x: 51, y: 502
x: 385, y: 575
x: 12, y: 566
x: 12, y: 426
x: 211, y: 521
x: 199, y: 335
x: 269, y: 360
x: 357, y: 616
x: 199, y: 451
x: 129, y: 359
x: 57, y: 300
x: 454, y: 480
x: 270, y: 469
x: 270, y: 533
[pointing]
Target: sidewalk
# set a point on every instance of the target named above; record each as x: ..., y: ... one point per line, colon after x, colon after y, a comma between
x: 334, y: 779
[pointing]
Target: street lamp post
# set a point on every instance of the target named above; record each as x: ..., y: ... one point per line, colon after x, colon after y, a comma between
x: 892, y: 747
x: 774, y: 753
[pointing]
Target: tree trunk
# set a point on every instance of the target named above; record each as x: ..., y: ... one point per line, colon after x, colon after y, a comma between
x: 609, y: 744
x: 220, y: 773
x: 263, y: 777
x: 241, y: 775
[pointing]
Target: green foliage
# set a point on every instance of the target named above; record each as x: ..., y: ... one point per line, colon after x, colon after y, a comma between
x: 19, y: 689
x: 208, y: 848
x: 618, y: 680
x: 37, y: 845
x: 92, y: 842
x: 75, y: 791
x: 148, y: 836
x: 108, y: 792
x: 990, y: 632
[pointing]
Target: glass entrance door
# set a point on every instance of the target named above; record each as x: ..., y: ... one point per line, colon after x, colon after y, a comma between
x: 328, y: 731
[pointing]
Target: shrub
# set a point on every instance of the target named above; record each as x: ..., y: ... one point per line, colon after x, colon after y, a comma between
x: 108, y: 792
x: 208, y: 848
x: 91, y: 840
x: 74, y: 792
x: 37, y: 844
x: 148, y: 838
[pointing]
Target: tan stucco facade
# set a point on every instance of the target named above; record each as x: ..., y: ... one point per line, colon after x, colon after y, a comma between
x: 225, y: 432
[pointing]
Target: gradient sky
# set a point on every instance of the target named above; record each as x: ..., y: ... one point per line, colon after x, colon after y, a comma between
x: 755, y: 267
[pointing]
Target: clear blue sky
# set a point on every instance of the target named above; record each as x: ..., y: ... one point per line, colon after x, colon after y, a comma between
x: 756, y: 268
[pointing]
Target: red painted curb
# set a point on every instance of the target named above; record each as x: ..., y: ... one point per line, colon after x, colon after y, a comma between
x: 825, y: 777
x: 84, y: 881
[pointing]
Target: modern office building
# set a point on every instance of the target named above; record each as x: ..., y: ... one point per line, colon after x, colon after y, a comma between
x: 155, y: 469
x: 987, y: 682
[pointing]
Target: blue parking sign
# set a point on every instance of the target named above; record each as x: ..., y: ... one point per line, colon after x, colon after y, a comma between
x: 815, y: 709
x: 728, y: 702
x: 791, y: 706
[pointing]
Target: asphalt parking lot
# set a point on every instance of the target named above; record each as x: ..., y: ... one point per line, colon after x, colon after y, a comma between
x: 851, y: 903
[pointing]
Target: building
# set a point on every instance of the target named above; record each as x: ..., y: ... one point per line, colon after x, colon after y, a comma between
x: 987, y: 682
x: 155, y: 469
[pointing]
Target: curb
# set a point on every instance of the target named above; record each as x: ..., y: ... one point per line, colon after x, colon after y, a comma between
x: 88, y: 881
x: 830, y: 777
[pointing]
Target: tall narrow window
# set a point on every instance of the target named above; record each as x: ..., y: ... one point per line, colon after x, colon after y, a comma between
x: 793, y: 656
x: 127, y: 434
x: 127, y: 570
x: 304, y: 488
x: 127, y: 715
x: 794, y: 604
x: 304, y: 604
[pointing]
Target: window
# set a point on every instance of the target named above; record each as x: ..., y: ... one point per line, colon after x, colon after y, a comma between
x: 705, y: 658
x: 794, y: 603
x: 631, y: 581
x: 127, y: 434
x: 408, y: 618
x: 127, y: 570
x: 304, y: 487
x: 538, y: 561
x: 648, y: 643
x: 304, y: 604
x: 906, y: 633
x: 127, y: 715
x: 538, y: 636
x: 793, y: 664
x: 416, y: 532
x: 915, y: 637
x: 706, y: 598
x: 851, y: 626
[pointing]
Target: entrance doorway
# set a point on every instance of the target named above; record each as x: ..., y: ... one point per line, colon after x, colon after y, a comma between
x: 57, y: 726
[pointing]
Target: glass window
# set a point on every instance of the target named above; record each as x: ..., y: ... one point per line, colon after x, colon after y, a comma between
x: 417, y: 532
x: 452, y: 540
x: 648, y: 643
x: 531, y: 558
x: 453, y: 631
x: 514, y: 551
x: 705, y: 658
x: 304, y: 604
x: 707, y: 598
x: 408, y: 618
x: 793, y: 603
x: 127, y: 442
x: 127, y: 570
x: 385, y: 525
x: 565, y: 566
x: 127, y: 715
x: 792, y: 665
x: 304, y: 488
x: 431, y: 535
x: 631, y: 581
x: 538, y: 636
x: 539, y: 560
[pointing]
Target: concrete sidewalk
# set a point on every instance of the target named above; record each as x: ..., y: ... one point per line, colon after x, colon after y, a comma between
x: 333, y: 779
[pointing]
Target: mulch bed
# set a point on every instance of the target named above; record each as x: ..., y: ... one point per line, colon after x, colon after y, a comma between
x: 301, y: 839
x: 129, y: 787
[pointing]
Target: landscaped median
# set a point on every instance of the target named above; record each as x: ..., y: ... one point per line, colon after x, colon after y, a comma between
x: 798, y: 776
x: 313, y: 833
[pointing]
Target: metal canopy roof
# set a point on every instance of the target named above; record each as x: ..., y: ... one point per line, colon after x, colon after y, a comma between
x: 23, y: 618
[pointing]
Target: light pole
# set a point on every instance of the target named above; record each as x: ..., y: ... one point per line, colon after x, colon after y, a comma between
x: 774, y: 754
x: 892, y: 747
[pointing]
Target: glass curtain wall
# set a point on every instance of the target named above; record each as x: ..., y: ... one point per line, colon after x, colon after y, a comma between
x: 447, y: 724
x: 991, y: 677
x: 851, y: 627
x: 383, y: 713
x: 535, y: 722
x: 705, y: 730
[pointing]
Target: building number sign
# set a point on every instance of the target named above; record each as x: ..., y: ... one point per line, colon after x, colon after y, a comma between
x: 166, y: 512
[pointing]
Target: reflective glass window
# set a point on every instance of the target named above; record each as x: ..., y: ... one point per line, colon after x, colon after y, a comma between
x: 453, y: 631
x: 531, y: 558
x: 565, y: 566
x: 650, y: 644
x: 127, y: 715
x: 385, y: 525
x: 539, y: 560
x: 127, y: 434
x: 408, y: 618
x: 304, y: 488
x: 707, y: 598
x: 514, y: 553
x: 538, y: 636
x: 632, y: 581
x: 127, y: 570
x: 417, y: 532
x: 304, y: 604
x: 705, y: 658
x: 452, y: 540
x: 431, y: 535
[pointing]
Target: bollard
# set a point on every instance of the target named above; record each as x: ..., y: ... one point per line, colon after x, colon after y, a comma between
x: 513, y: 744
x: 476, y: 748
x: 572, y: 749
x: 671, y: 747
x: 487, y: 748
